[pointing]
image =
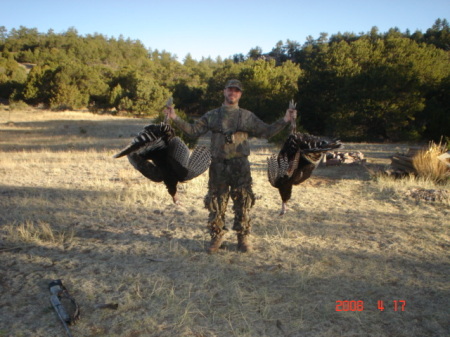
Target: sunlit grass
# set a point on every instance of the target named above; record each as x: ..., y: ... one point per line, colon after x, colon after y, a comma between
x: 38, y: 233
x: 429, y: 167
x: 74, y: 212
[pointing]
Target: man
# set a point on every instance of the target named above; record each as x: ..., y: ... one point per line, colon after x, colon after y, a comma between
x: 229, y: 173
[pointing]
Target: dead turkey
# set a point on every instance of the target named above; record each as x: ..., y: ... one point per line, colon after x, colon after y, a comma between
x: 299, y: 156
x: 162, y: 157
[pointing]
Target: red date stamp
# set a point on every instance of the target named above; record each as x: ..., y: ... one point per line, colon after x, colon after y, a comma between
x: 349, y: 305
x: 397, y: 305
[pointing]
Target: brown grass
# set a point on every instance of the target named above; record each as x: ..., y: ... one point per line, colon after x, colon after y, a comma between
x: 40, y: 233
x: 428, y: 166
x: 70, y: 211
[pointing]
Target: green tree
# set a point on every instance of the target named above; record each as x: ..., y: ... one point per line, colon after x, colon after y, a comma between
x: 146, y: 95
x: 435, y: 118
x: 372, y: 87
x: 3, y: 35
x: 116, y: 94
x: 34, y: 92
x: 238, y: 58
x: 269, y: 87
x: 255, y: 53
x: 149, y: 97
x: 67, y: 96
x: 12, y: 77
x: 438, y: 34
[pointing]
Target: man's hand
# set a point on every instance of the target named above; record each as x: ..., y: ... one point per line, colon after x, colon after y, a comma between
x: 169, y: 111
x: 291, y: 115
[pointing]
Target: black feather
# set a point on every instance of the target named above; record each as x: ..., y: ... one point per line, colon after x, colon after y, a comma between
x: 297, y: 159
x: 162, y: 157
x: 153, y: 136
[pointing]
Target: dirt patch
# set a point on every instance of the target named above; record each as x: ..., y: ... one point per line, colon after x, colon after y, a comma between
x: 428, y: 194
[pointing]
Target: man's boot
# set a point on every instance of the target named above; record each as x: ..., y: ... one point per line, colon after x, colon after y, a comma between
x: 216, y: 243
x: 243, y: 243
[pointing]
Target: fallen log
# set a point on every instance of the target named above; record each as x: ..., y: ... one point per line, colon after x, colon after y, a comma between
x: 402, y: 164
x: 445, y: 158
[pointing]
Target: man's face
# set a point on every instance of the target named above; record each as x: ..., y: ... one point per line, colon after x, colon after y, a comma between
x: 232, y: 95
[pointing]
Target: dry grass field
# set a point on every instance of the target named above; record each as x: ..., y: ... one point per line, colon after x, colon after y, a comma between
x: 69, y: 211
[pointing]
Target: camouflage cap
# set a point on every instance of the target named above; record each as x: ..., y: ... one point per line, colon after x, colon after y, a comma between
x: 234, y: 84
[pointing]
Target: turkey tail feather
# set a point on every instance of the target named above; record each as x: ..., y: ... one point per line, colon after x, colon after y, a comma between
x: 272, y: 169
x: 127, y: 150
x: 148, y: 140
x: 178, y: 157
x: 199, y: 162
x: 178, y: 151
x: 188, y: 166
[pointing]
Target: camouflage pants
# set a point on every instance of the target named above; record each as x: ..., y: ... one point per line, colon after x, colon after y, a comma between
x: 227, y: 178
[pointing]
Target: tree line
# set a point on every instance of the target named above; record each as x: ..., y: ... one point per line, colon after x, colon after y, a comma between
x: 364, y: 87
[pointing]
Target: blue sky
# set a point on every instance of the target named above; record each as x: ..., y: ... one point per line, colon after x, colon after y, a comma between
x: 220, y: 28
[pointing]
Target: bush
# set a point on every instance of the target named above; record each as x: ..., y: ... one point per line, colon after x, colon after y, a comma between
x: 67, y: 97
x: 428, y: 166
x: 17, y: 105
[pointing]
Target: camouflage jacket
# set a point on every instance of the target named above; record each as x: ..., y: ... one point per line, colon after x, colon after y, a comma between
x: 231, y: 126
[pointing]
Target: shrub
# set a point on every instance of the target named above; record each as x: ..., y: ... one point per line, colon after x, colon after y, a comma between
x: 428, y: 166
x: 17, y: 105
